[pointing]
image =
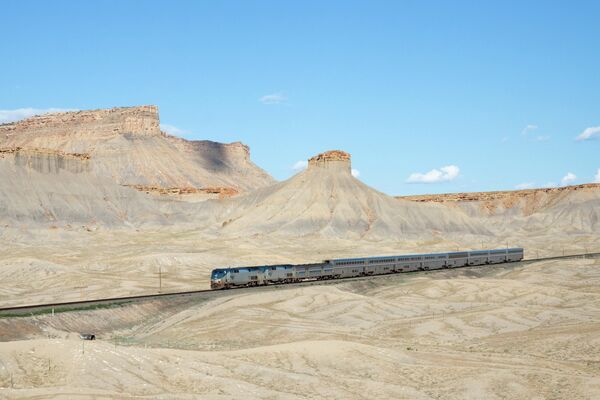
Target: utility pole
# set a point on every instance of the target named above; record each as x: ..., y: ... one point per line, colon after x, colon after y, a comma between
x: 159, y: 279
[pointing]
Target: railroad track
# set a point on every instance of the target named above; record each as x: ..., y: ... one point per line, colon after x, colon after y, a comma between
x: 36, y: 309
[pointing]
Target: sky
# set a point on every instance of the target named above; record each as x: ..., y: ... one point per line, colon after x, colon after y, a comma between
x: 427, y: 96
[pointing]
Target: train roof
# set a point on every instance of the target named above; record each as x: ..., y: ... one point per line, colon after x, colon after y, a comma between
x: 384, y: 257
x: 422, y: 254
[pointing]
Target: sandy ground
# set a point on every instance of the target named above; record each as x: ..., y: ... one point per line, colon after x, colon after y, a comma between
x: 68, y: 265
x: 509, y: 332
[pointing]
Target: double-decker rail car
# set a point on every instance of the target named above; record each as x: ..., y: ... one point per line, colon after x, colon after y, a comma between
x: 478, y: 257
x: 457, y: 259
x: 224, y: 278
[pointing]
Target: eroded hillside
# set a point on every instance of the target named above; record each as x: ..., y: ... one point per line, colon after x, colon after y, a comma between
x: 528, y: 200
x: 127, y: 145
x: 327, y: 200
x: 572, y: 209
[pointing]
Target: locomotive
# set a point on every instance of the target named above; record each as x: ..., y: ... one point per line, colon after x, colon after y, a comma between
x: 225, y: 278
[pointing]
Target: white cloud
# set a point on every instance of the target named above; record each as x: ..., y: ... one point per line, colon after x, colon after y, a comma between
x: 444, y: 174
x: 568, y: 178
x: 592, y: 132
x: 550, y: 185
x: 532, y: 128
x: 597, y: 177
x: 525, y: 185
x: 300, y: 165
x: 173, y: 130
x: 355, y: 173
x: 529, y: 128
x: 22, y: 113
x: 273, y: 98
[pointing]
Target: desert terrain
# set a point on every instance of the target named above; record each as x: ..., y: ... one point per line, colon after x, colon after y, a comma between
x: 101, y: 203
x: 506, y: 332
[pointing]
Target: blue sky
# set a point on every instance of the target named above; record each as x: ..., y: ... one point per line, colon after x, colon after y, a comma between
x: 464, y: 96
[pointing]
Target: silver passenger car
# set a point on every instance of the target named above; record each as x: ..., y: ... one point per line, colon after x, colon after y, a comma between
x: 225, y: 278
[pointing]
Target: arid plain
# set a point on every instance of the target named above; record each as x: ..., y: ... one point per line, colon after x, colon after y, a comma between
x: 508, y: 332
x: 102, y: 203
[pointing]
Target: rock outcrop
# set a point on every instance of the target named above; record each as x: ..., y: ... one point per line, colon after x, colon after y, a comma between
x: 46, y: 160
x: 212, y: 192
x: 127, y: 145
x: 497, y: 195
x: 65, y: 130
x: 58, y: 153
x: 331, y: 159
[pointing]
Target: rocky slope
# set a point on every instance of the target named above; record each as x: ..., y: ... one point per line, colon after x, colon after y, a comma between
x: 569, y: 209
x: 127, y: 145
x: 326, y: 199
x: 528, y: 201
x: 54, y: 188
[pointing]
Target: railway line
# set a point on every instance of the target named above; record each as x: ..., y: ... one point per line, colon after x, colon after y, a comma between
x: 36, y: 309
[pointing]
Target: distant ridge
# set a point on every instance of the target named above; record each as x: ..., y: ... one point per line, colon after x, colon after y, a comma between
x: 495, y: 195
x: 574, y: 208
x: 126, y: 144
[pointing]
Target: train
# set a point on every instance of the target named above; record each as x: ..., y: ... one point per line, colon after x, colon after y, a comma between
x: 227, y: 278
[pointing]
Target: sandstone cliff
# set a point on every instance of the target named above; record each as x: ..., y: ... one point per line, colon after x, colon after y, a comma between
x: 527, y: 202
x: 126, y: 145
x: 46, y: 160
x: 332, y: 158
x: 573, y: 209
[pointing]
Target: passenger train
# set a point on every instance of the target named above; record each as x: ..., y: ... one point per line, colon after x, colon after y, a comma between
x: 225, y: 278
